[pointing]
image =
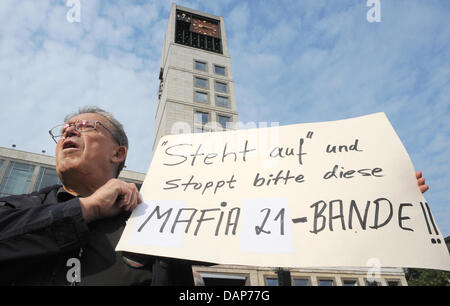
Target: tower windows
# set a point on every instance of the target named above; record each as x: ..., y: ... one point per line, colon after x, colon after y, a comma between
x: 201, y: 119
x: 199, y: 65
x: 221, y: 87
x: 200, y: 82
x: 201, y: 97
x: 224, y: 121
x: 222, y: 101
x: 219, y: 70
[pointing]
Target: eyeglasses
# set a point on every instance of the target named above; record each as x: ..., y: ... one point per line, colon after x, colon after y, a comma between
x: 80, y: 126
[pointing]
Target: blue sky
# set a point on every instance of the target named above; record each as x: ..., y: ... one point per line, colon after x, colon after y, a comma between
x: 292, y: 61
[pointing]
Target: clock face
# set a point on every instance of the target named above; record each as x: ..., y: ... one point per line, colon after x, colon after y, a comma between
x: 205, y: 27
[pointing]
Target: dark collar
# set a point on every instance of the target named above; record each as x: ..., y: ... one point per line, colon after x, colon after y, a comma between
x: 62, y: 195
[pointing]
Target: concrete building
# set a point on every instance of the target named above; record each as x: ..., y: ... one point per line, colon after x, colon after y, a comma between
x: 264, y: 276
x: 196, y: 94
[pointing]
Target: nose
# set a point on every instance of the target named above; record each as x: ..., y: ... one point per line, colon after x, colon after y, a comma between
x: 70, y: 131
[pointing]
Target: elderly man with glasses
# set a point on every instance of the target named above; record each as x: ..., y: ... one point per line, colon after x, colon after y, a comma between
x: 67, y: 234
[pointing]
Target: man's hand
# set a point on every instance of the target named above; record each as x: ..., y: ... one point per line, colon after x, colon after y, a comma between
x: 110, y: 199
x: 421, y: 182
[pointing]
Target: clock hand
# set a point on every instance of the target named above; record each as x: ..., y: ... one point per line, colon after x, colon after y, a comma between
x: 203, y: 26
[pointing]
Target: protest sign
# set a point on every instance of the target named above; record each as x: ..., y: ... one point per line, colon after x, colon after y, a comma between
x: 323, y: 194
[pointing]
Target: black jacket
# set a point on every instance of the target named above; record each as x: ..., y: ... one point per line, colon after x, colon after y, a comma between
x: 41, y: 231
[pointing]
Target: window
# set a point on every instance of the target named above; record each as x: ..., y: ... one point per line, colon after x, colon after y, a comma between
x: 271, y: 281
x: 200, y: 120
x: 201, y: 117
x: 393, y: 282
x: 325, y: 282
x: 301, y: 282
x: 222, y: 101
x: 201, y: 97
x: 223, y: 279
x: 223, y: 120
x: 219, y: 70
x: 349, y: 282
x: 221, y: 87
x: 200, y: 66
x: 46, y: 177
x: 17, y: 179
x: 201, y: 82
x: 373, y: 283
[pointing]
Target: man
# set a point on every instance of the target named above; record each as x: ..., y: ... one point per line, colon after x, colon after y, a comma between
x: 67, y: 234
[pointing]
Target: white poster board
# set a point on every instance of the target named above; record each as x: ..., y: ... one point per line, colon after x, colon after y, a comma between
x: 321, y: 194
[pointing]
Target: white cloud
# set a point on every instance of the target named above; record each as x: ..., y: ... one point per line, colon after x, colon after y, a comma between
x: 239, y: 18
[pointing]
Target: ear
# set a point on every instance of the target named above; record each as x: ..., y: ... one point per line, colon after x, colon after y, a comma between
x: 119, y: 154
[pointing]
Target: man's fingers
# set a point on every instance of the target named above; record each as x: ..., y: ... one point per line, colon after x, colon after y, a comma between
x: 136, y: 202
x: 110, y: 199
x: 134, y: 194
x: 418, y: 174
x: 421, y: 181
x: 424, y: 188
x: 130, y: 196
x: 133, y: 202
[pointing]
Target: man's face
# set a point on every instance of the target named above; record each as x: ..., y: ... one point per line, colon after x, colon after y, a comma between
x: 89, y: 152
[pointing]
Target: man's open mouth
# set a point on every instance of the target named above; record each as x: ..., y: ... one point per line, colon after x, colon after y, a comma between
x: 69, y: 144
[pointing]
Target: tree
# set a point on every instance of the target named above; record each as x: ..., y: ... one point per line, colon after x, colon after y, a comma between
x: 426, y: 277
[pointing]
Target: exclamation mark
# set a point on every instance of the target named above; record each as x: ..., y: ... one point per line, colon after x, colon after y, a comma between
x: 427, y: 214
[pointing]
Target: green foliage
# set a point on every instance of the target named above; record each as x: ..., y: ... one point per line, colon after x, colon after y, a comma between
x: 425, y: 277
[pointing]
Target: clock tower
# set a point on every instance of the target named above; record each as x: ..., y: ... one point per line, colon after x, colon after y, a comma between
x: 196, y: 90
